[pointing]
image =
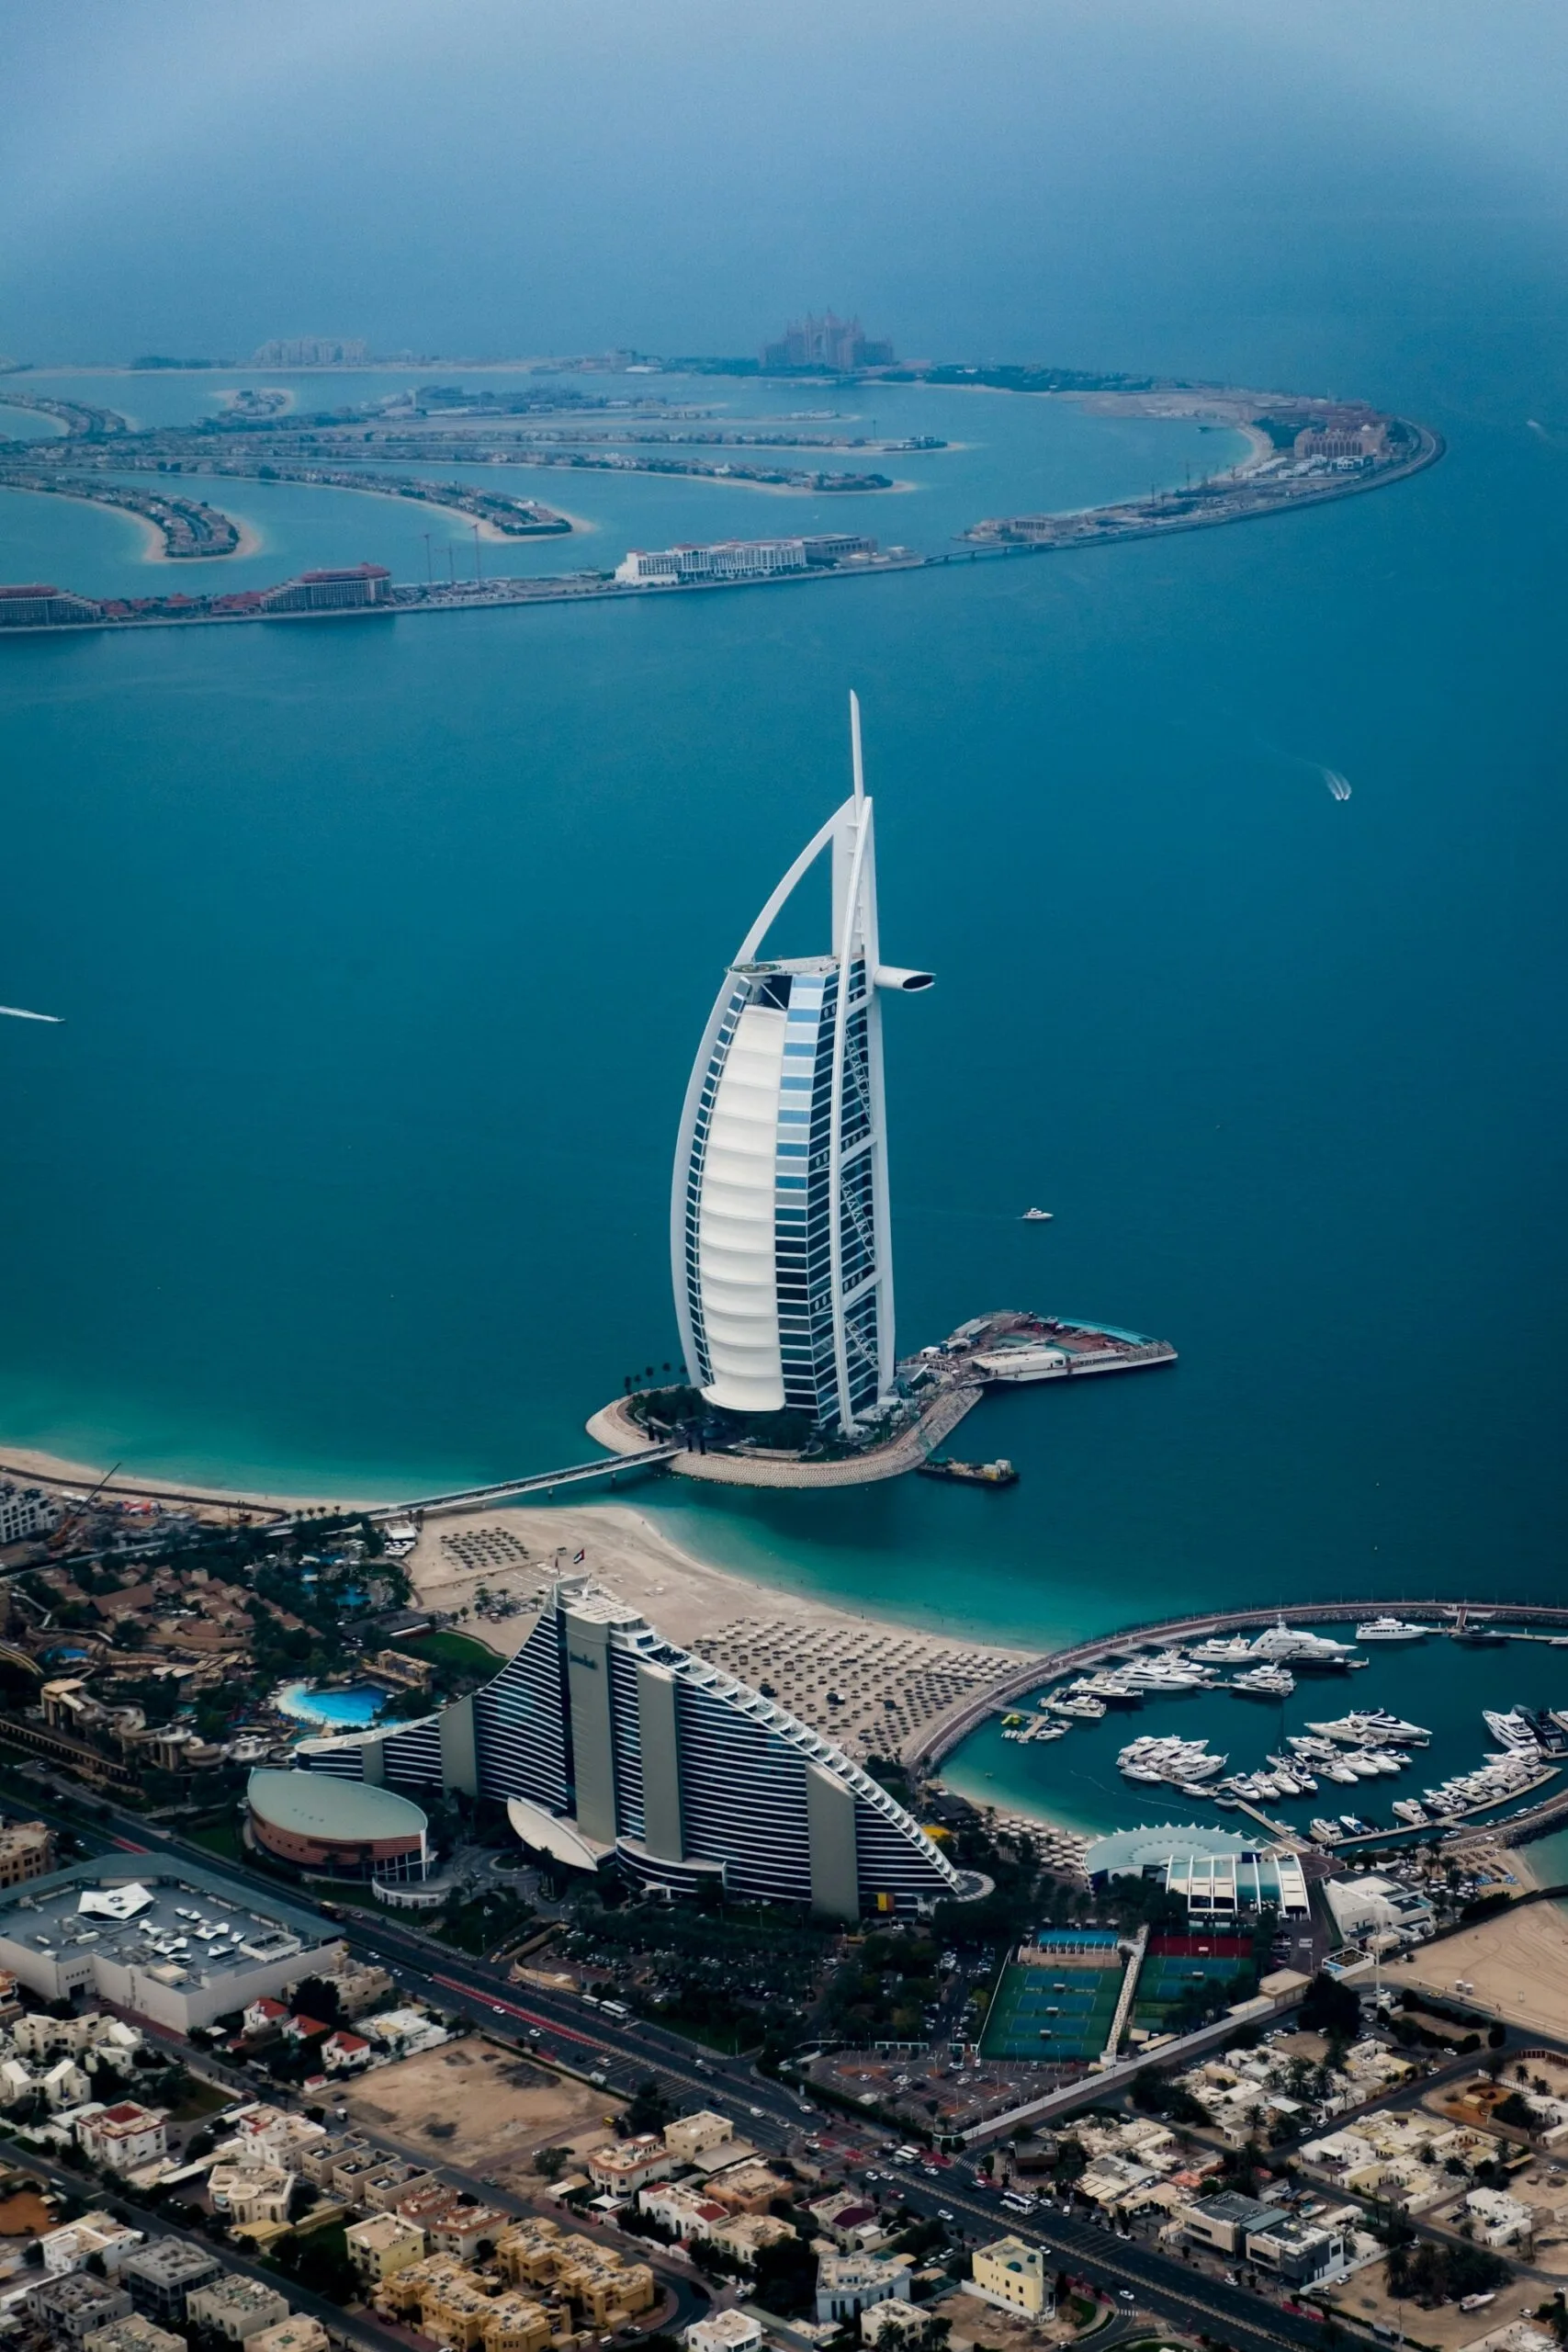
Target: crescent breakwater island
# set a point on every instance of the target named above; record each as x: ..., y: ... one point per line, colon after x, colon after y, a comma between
x: 1303, y: 450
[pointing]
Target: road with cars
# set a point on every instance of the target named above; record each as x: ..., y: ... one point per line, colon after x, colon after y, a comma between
x: 620, y: 2052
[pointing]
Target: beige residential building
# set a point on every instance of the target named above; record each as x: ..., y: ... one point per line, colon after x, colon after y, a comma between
x: 1012, y: 2274
x: 453, y: 2226
x: 727, y: 2331
x: 625, y: 2166
x: 746, y: 2187
x: 447, y: 2300
x: 295, y: 2334
x: 895, y: 2324
x: 516, y: 2323
x: 381, y: 2244
x: 235, y: 2306
x: 26, y: 1850
x: 123, y: 2138
x: 692, y: 2136
x: 252, y: 2192
x: 132, y: 2334
x: 746, y: 2235
x: 606, y: 2291
x: 689, y: 2212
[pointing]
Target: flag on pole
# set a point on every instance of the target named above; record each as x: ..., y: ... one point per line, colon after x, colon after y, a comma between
x: 578, y: 1558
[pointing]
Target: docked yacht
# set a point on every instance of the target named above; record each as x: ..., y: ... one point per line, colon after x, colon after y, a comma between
x: 1412, y: 1812
x: 1297, y: 1644
x: 1113, y: 1685
x: 1392, y: 1629
x: 1186, y: 1762
x: 1326, y: 1833
x: 1168, y: 1671
x: 1515, y: 1730
x: 1222, y: 1650
x: 1080, y: 1705
x: 1374, y: 1727
x: 1265, y: 1682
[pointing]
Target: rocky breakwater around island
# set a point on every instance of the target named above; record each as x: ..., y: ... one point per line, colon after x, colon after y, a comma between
x: 616, y: 1427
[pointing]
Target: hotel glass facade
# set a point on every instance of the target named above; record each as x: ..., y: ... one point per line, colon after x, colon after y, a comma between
x: 780, y: 1245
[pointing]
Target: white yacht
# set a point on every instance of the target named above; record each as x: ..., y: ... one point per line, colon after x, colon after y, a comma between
x: 1514, y: 1730
x: 1224, y: 1649
x: 1411, y: 1812
x: 1167, y: 1670
x: 1392, y: 1629
x: 1297, y: 1644
x: 1080, y: 1706
x: 1265, y: 1682
x: 1374, y: 1727
x: 1326, y: 1833
x: 1184, y: 1761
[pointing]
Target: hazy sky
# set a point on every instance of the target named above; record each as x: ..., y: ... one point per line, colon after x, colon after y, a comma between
x: 999, y: 176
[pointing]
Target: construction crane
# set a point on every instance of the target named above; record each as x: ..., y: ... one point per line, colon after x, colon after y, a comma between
x: 73, y: 1518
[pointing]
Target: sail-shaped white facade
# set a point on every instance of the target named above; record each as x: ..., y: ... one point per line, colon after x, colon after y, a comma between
x: 780, y: 1243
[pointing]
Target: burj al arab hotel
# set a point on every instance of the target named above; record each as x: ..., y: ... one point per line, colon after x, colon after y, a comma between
x: 780, y: 1242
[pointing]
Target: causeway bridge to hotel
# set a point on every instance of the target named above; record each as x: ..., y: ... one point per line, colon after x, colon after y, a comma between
x: 603, y: 1472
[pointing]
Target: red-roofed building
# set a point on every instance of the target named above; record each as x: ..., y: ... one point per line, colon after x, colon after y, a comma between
x: 304, y: 2028
x: 123, y: 2137
x: 266, y: 2017
x: 341, y: 2052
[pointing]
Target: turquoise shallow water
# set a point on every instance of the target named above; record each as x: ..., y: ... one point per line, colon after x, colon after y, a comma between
x: 384, y: 952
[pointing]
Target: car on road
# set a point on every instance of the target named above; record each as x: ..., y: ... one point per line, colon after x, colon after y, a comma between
x: 1126, y: 2295
x: 942, y: 2214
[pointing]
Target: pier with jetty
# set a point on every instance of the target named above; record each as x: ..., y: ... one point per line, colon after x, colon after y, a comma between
x: 1009, y: 1348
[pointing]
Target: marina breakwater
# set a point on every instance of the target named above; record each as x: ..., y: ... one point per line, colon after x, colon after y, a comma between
x: 938, y: 1739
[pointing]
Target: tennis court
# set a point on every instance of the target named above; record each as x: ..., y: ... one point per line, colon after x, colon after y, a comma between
x: 1056, y: 2001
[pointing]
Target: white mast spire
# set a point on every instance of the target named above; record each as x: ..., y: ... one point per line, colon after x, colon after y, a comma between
x: 854, y: 747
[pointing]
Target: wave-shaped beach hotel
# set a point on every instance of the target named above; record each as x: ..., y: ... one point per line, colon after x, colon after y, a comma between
x: 607, y: 1743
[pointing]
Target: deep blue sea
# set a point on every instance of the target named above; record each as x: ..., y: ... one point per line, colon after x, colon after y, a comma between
x: 384, y: 950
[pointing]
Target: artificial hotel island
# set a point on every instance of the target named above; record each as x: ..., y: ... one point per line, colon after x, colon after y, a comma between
x: 630, y: 1973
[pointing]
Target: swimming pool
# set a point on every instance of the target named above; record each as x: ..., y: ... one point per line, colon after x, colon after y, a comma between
x: 348, y: 1709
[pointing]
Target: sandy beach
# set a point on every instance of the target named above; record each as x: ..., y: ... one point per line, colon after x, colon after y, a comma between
x: 250, y: 542
x: 625, y: 1550
x: 29, y: 1463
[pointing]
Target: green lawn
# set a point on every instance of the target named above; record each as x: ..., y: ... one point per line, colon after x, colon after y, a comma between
x: 201, y: 2099
x: 220, y: 1838
x: 352, y: 1892
x: 452, y: 1649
